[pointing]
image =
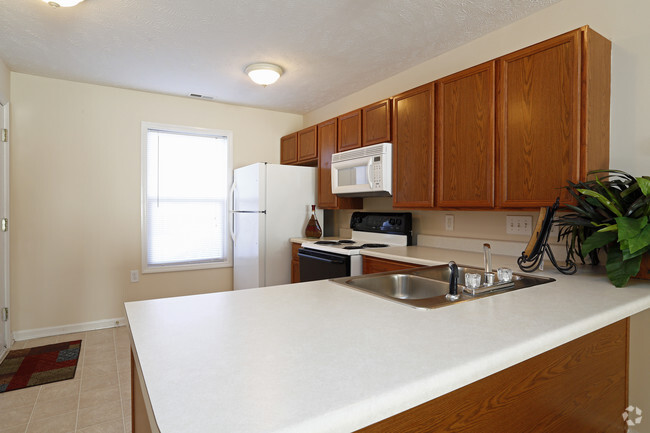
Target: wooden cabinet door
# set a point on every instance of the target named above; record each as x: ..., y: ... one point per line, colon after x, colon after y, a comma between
x: 373, y: 265
x: 289, y: 149
x: 307, y: 145
x: 295, y: 263
x: 465, y: 138
x: 413, y: 148
x: 376, y: 123
x: 327, y: 137
x: 538, y: 109
x: 349, y: 131
x: 327, y: 140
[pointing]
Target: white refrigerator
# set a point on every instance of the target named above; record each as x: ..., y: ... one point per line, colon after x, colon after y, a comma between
x: 270, y: 203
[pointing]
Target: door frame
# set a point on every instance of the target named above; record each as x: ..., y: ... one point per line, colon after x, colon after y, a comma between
x: 4, y: 112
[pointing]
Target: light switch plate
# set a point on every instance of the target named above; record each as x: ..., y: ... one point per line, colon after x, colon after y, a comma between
x: 449, y: 223
x: 519, y: 225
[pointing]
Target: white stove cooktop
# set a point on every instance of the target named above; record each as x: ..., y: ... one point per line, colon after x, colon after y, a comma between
x: 359, y: 241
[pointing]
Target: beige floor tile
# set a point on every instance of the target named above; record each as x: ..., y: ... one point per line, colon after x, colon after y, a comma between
x: 16, y: 429
x: 94, y: 415
x: 17, y: 398
x: 72, y: 337
x: 103, y: 355
x: 50, y: 408
x: 125, y: 381
x: 64, y: 423
x: 16, y: 416
x: 126, y: 408
x: 95, y: 368
x: 95, y: 397
x: 123, y: 353
x: 63, y: 389
x: 125, y: 392
x: 98, y: 381
x: 18, y: 345
x: 40, y: 341
x: 99, y: 337
x: 115, y: 426
x: 124, y: 365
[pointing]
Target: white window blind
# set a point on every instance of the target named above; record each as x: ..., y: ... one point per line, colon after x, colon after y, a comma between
x: 186, y: 178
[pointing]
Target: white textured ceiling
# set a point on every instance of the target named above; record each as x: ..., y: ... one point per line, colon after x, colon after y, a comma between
x: 328, y: 48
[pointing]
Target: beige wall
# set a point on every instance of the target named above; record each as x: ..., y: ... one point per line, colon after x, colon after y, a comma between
x: 4, y: 83
x: 75, y: 190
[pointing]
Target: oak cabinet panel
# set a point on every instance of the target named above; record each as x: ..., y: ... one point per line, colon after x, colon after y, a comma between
x: 413, y: 148
x: 376, y: 120
x: 295, y: 263
x: 373, y: 265
x: 349, y: 136
x: 465, y: 138
x: 289, y: 149
x: 327, y: 141
x: 580, y: 386
x: 307, y: 145
x: 552, y: 117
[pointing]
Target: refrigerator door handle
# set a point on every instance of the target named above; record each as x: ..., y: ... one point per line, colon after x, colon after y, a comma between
x: 231, y: 216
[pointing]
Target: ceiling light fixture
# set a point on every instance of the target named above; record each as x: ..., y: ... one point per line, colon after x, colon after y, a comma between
x: 63, y: 3
x: 264, y: 73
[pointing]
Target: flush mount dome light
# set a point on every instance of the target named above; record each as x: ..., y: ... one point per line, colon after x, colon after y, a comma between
x: 63, y: 3
x: 264, y: 73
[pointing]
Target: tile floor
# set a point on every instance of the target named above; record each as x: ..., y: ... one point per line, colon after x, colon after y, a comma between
x: 96, y: 400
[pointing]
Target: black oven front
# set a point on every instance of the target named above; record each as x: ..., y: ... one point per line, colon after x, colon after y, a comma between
x: 321, y: 265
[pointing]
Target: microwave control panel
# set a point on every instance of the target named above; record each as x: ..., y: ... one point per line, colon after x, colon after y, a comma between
x: 376, y: 172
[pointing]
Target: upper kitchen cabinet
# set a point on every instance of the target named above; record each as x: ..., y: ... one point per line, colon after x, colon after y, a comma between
x: 413, y: 161
x: 327, y: 142
x: 376, y: 120
x: 307, y: 146
x: 289, y: 149
x: 349, y: 131
x: 465, y: 138
x: 552, y: 117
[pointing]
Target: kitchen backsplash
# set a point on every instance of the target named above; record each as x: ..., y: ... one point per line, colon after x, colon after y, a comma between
x: 467, y: 224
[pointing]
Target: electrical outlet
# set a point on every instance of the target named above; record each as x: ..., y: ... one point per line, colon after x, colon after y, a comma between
x: 519, y: 225
x: 135, y: 277
x: 449, y: 223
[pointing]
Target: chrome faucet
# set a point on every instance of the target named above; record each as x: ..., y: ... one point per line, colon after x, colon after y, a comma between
x: 487, y: 258
x: 453, y: 282
x: 487, y: 261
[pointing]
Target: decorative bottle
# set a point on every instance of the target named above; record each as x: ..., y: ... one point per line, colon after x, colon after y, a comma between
x: 313, y: 229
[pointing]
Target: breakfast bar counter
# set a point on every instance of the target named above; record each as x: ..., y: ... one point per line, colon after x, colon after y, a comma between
x: 322, y: 357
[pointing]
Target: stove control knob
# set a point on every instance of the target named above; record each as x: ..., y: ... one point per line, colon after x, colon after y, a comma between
x: 391, y: 221
x: 399, y: 222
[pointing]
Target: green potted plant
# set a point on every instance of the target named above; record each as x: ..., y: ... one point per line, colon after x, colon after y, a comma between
x: 612, y: 211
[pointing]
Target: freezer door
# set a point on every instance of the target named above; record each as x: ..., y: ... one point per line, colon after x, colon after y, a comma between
x: 249, y: 254
x: 249, y: 188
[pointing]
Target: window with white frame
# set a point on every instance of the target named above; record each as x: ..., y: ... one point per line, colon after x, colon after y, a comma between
x: 185, y: 177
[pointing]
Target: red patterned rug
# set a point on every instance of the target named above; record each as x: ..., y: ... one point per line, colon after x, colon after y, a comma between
x: 39, y: 365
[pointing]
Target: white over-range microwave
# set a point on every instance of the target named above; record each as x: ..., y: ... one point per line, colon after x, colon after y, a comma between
x: 363, y: 172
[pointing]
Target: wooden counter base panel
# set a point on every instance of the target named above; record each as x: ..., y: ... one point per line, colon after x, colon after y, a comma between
x: 580, y: 386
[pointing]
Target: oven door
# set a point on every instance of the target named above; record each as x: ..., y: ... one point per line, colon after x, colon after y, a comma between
x: 321, y: 265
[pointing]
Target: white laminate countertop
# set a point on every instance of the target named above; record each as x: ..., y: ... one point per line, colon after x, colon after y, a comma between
x: 320, y: 357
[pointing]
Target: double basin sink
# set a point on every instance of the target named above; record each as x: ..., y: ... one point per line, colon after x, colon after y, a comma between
x: 427, y: 287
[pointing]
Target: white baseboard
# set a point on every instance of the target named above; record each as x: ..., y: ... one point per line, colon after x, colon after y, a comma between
x: 68, y: 329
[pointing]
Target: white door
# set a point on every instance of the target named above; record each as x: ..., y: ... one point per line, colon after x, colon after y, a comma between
x: 4, y: 235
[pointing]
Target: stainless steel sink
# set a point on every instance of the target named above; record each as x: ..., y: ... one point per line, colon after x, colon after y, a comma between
x: 426, y: 287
